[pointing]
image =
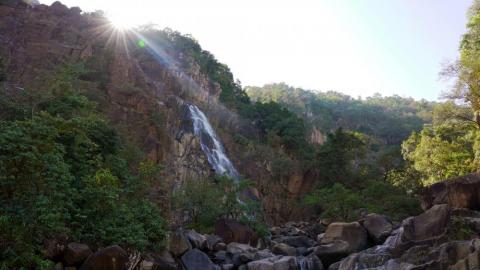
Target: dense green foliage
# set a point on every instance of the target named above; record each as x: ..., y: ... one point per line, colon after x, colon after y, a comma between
x: 63, y: 174
x: 347, y: 204
x: 204, y: 201
x: 390, y: 119
x: 359, y: 150
x: 451, y: 145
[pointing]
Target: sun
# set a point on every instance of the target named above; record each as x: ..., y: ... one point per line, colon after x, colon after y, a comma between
x: 122, y: 21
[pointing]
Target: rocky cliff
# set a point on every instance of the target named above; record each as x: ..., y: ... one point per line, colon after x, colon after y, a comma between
x: 143, y: 88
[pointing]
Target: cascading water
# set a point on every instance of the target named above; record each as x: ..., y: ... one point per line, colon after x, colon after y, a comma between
x: 210, y: 144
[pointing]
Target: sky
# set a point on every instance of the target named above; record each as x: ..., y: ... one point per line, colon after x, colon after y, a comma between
x: 358, y: 47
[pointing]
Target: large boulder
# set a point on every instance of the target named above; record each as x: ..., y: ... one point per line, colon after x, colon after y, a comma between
x: 232, y: 231
x: 458, y: 192
x: 429, y: 225
x: 274, y: 263
x: 197, y: 240
x: 195, y: 260
x: 378, y: 227
x: 340, y: 240
x: 76, y: 253
x: 284, y: 249
x: 178, y: 243
x: 109, y: 258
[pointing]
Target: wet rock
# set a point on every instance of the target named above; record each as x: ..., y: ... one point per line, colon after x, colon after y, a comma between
x: 284, y: 249
x: 76, y: 253
x: 195, y: 259
x: 109, y: 258
x: 232, y: 231
x: 378, y: 227
x: 178, y: 243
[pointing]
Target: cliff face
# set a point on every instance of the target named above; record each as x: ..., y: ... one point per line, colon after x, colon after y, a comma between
x: 143, y: 90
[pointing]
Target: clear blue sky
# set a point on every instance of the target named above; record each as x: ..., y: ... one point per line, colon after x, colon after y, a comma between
x: 358, y: 47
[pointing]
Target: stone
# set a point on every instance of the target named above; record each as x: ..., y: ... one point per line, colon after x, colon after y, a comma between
x: 178, y: 243
x: 458, y: 192
x: 240, y: 248
x: 263, y: 254
x: 164, y: 260
x: 146, y: 265
x: 227, y: 267
x: 53, y: 249
x: 284, y: 249
x: 310, y: 262
x: 274, y: 263
x: 242, y: 258
x: 232, y: 231
x: 220, y: 246
x: 211, y: 241
x: 297, y: 241
x: 197, y: 240
x: 76, y: 253
x: 194, y: 259
x: 378, y: 227
x: 340, y: 240
x: 109, y: 258
x: 428, y: 225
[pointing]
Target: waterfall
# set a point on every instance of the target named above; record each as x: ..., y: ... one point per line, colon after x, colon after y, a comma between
x: 210, y: 144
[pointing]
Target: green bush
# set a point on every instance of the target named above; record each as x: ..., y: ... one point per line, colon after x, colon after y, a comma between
x: 62, y: 173
x: 204, y: 201
x: 342, y: 203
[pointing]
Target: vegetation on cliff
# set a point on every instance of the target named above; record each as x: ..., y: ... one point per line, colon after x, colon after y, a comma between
x: 66, y: 175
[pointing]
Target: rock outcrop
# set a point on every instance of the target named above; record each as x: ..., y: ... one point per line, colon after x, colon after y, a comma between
x: 458, y: 192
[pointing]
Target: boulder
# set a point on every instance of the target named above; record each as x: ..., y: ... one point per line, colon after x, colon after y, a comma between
x: 109, y: 258
x: 296, y: 241
x: 458, y: 192
x: 232, y: 231
x: 340, y: 240
x: 195, y: 260
x: 242, y: 258
x: 164, y: 260
x: 378, y: 227
x: 76, y: 253
x: 211, y: 241
x: 197, y: 240
x: 428, y: 225
x: 240, y: 248
x: 284, y: 249
x: 274, y: 263
x: 53, y: 249
x: 178, y: 243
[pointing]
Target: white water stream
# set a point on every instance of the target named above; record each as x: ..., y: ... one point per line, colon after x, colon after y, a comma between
x: 211, y: 145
